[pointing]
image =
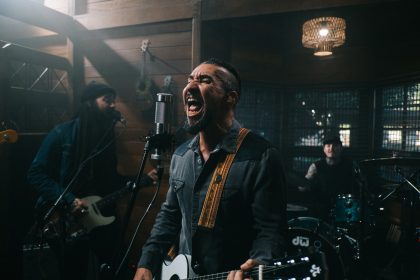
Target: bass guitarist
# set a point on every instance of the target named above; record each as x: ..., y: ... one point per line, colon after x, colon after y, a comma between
x: 81, y: 153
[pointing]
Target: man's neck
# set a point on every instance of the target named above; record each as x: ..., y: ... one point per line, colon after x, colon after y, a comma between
x: 332, y: 161
x: 211, y: 136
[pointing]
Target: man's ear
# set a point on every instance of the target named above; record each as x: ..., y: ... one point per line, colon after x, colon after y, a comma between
x: 232, y: 97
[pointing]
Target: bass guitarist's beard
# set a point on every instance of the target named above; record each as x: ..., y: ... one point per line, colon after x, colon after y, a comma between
x: 103, y: 118
x: 196, y: 127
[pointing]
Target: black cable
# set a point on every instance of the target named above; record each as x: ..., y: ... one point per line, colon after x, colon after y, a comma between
x: 160, y: 170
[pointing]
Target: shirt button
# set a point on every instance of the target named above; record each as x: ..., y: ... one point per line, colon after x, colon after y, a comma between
x: 199, y: 160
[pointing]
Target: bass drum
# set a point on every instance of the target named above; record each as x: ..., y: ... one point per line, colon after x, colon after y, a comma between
x: 308, y: 235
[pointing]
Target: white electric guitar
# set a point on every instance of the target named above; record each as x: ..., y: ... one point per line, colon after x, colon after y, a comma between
x: 306, y: 267
x: 90, y: 219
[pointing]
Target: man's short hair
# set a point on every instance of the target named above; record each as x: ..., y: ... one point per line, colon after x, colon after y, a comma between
x: 231, y: 84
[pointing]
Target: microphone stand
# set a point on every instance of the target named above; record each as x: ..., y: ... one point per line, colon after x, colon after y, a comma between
x: 157, y: 141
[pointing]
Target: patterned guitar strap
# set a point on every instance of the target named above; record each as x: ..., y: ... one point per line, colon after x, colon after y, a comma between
x: 214, y: 192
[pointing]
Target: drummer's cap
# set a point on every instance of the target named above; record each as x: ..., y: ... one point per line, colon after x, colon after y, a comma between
x: 332, y: 139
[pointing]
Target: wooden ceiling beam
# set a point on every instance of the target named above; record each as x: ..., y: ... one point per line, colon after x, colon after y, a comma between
x: 221, y: 9
x: 135, y: 16
x: 36, y: 14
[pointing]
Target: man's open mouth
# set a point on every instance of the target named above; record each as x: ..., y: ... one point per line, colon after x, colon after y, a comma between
x: 194, y: 106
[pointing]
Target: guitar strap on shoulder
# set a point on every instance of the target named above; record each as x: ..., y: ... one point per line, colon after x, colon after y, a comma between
x: 214, y: 192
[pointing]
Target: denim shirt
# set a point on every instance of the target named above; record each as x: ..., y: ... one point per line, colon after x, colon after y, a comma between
x: 251, y: 219
x: 51, y: 164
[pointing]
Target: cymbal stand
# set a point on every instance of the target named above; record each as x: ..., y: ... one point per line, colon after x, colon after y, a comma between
x: 411, y: 200
x: 398, y: 170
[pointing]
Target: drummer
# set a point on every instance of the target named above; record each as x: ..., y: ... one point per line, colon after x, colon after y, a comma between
x: 330, y: 177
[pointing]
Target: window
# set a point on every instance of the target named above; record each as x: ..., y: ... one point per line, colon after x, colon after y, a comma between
x: 260, y: 109
x: 400, y: 122
x: 322, y: 112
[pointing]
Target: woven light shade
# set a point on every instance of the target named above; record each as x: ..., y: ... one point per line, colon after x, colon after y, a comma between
x: 324, y: 33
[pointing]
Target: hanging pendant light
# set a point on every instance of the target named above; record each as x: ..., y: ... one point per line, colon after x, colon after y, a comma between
x: 323, y: 34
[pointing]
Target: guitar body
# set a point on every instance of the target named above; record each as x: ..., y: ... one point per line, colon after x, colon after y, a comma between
x: 93, y: 217
x: 179, y: 268
x: 306, y: 267
x: 78, y: 225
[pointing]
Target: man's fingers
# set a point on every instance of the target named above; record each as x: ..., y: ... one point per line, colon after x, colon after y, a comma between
x: 235, y: 275
x: 250, y: 263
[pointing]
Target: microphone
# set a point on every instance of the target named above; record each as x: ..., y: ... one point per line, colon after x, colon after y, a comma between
x: 118, y: 117
x: 163, y: 114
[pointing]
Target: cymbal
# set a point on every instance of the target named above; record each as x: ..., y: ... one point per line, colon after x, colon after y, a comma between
x: 390, y: 161
x: 296, y: 208
x: 390, y: 186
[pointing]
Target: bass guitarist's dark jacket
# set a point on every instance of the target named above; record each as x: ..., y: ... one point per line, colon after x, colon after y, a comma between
x: 53, y: 168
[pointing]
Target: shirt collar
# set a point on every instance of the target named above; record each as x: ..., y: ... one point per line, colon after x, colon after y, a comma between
x: 228, y: 142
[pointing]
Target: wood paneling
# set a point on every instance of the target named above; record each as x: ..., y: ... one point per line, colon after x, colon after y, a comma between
x: 220, y: 9
x: 114, y: 16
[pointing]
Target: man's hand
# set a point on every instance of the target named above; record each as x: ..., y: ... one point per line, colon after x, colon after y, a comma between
x: 239, y: 274
x: 153, y: 175
x: 79, y: 206
x: 143, y: 274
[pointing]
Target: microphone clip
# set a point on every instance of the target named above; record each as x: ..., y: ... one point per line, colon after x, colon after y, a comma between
x: 160, y: 141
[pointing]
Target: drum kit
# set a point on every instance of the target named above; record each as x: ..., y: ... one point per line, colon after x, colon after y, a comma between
x: 373, y: 234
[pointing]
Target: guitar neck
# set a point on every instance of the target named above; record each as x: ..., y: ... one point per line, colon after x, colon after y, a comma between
x: 216, y: 276
x: 265, y: 272
x: 111, y: 198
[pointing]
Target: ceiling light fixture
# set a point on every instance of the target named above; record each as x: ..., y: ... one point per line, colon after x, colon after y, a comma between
x: 324, y: 33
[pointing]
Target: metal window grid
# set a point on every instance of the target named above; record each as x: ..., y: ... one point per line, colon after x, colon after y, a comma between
x: 400, y: 118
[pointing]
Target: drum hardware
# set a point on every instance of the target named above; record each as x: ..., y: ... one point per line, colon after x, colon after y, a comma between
x: 390, y: 243
x: 390, y: 161
x: 309, y: 234
x: 347, y: 210
x: 398, y: 170
x: 296, y: 208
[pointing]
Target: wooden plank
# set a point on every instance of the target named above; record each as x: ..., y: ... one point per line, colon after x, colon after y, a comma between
x: 219, y: 9
x: 145, y: 29
x: 136, y: 15
x: 135, y: 55
x: 108, y: 5
x: 156, y: 40
x: 39, y: 42
x: 168, y: 67
x: 196, y: 35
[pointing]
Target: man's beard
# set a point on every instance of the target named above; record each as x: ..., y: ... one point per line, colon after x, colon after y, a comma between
x: 198, y: 126
x: 103, y: 118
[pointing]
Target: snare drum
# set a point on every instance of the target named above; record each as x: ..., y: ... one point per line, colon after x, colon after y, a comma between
x: 308, y: 234
x: 347, y: 210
